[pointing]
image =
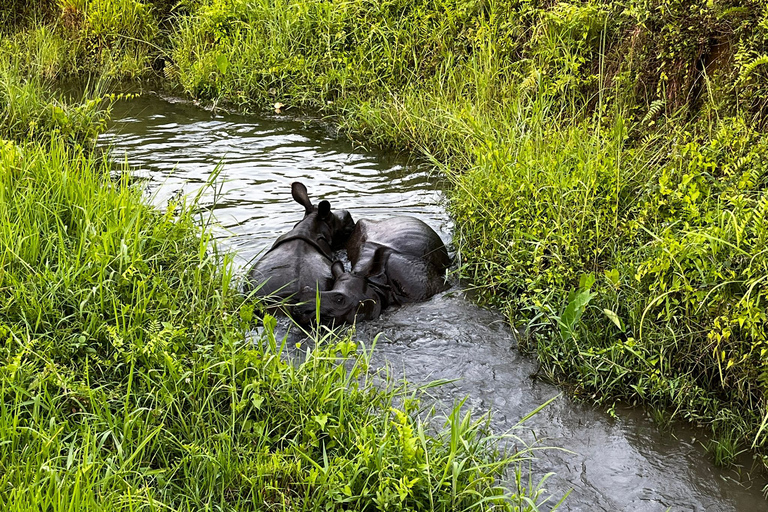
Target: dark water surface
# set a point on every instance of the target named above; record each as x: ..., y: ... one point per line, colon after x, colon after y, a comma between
x: 622, y: 464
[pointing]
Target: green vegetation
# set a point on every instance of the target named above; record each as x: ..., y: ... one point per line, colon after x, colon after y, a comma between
x: 607, y: 159
x: 112, y: 39
x: 30, y: 111
x: 133, y: 373
x: 128, y: 379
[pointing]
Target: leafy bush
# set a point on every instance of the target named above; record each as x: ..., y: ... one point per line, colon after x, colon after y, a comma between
x: 706, y: 265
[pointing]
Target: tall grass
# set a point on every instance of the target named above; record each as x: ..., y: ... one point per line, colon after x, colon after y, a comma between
x: 29, y: 111
x: 84, y: 39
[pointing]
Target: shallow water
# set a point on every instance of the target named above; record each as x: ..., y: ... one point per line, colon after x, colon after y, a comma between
x: 622, y: 464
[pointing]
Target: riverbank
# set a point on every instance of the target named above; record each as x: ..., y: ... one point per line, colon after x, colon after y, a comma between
x: 607, y: 162
x: 131, y: 376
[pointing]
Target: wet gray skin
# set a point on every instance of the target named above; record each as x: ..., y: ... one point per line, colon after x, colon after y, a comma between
x: 622, y: 464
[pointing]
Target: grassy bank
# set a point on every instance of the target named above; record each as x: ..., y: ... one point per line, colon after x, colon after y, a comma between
x: 607, y: 164
x: 130, y: 374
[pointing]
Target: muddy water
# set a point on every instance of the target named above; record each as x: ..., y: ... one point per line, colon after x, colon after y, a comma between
x: 614, y: 464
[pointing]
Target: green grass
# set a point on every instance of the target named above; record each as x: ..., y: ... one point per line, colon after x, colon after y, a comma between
x: 606, y: 159
x: 31, y: 112
x: 86, y: 40
x: 135, y: 376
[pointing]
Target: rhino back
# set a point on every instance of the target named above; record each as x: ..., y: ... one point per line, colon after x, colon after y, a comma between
x: 408, y: 236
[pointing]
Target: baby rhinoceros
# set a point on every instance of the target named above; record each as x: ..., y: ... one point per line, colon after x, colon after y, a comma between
x: 302, y: 258
x: 394, y: 261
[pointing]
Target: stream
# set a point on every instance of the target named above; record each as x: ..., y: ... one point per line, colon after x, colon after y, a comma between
x: 612, y: 464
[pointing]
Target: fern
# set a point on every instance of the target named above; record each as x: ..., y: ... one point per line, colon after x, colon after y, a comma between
x: 750, y: 67
x: 653, y: 110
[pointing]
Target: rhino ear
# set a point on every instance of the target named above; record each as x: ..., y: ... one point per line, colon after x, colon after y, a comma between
x: 324, y: 209
x: 337, y: 269
x: 299, y: 193
x: 379, y: 263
